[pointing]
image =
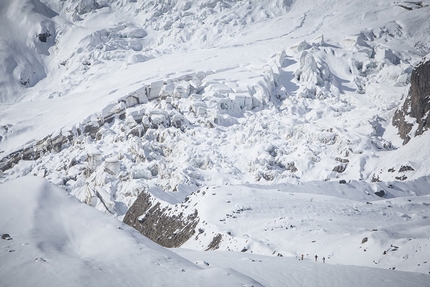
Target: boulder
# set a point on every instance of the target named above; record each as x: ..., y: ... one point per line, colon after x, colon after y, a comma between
x: 340, y: 168
x: 43, y: 37
x: 380, y: 193
x: 6, y: 236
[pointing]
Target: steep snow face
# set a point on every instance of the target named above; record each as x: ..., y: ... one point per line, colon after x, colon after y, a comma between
x: 27, y: 34
x: 51, y: 239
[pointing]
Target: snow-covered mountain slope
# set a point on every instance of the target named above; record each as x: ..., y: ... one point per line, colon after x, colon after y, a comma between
x: 51, y: 239
x: 275, y: 271
x: 27, y: 34
x: 347, y: 223
x: 262, y: 106
x: 171, y: 96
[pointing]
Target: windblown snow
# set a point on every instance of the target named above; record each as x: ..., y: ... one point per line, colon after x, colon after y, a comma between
x: 54, y: 240
x: 272, y: 119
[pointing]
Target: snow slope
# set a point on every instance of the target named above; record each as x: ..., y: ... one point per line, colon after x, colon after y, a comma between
x: 345, y: 223
x: 275, y: 271
x: 54, y: 240
x: 24, y: 58
x: 174, y: 96
x: 102, y: 54
x: 51, y: 239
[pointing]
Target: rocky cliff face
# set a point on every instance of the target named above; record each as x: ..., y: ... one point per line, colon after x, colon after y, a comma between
x: 165, y: 225
x: 413, y: 118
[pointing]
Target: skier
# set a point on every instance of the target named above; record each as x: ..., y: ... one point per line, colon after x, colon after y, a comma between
x: 302, y: 257
x: 323, y: 259
x: 316, y: 258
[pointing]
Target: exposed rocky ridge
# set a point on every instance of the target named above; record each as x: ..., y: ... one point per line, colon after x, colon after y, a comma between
x: 166, y: 225
x: 416, y: 108
x: 171, y: 225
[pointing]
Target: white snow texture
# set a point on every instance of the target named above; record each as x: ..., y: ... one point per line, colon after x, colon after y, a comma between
x: 270, y: 118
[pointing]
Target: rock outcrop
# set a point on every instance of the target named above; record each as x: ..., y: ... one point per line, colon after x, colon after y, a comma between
x: 416, y: 105
x: 35, y: 150
x: 160, y: 223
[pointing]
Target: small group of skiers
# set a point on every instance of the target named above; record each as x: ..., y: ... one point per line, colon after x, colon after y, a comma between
x: 316, y: 258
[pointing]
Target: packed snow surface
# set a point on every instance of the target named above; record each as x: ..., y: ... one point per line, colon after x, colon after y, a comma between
x: 266, y: 106
x: 275, y: 271
x: 51, y: 239
x: 344, y: 223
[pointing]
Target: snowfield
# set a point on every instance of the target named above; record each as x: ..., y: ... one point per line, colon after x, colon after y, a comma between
x: 346, y: 224
x: 52, y: 239
x: 272, y: 119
